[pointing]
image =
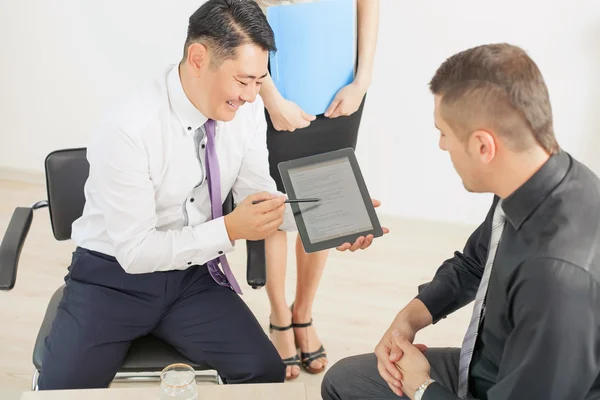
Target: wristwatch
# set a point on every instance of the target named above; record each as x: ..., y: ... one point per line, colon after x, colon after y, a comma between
x: 421, y: 389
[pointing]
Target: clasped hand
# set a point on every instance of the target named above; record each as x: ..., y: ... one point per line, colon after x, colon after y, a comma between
x: 400, y: 363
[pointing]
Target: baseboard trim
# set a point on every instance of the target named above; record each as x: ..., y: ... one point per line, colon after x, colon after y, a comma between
x: 22, y: 175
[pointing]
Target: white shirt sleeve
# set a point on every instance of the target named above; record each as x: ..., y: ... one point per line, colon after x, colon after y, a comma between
x: 254, y: 175
x: 125, y: 195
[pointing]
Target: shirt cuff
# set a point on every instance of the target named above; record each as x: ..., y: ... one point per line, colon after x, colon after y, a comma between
x: 436, y: 391
x: 438, y: 298
x: 218, y: 243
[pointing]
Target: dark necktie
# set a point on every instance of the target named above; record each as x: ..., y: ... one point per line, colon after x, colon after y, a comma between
x: 466, y: 352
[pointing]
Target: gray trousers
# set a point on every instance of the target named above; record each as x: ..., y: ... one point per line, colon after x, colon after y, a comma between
x: 357, y: 377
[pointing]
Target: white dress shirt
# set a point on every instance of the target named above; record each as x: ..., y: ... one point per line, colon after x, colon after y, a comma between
x: 147, y: 201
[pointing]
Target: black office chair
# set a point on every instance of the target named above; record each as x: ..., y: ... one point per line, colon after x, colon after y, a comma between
x: 66, y: 174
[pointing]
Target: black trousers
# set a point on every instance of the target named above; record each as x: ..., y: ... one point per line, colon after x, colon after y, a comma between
x: 103, y: 309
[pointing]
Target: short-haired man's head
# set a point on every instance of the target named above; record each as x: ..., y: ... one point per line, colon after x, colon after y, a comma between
x: 496, y: 87
x: 224, y: 25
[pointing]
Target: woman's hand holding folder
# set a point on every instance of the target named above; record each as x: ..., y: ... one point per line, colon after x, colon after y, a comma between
x: 347, y: 100
x: 285, y: 114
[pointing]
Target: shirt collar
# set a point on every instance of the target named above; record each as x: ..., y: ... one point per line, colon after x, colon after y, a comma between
x: 190, y: 118
x: 521, y: 203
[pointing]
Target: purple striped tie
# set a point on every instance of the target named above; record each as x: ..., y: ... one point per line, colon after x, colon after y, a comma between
x: 214, y: 189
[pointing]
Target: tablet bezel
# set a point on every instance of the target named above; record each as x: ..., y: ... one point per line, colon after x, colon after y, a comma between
x: 310, y: 247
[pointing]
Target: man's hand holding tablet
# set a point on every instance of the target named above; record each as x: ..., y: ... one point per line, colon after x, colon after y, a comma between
x: 344, y: 217
x: 362, y: 242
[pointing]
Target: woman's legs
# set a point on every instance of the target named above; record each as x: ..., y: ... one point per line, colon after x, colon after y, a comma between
x: 322, y: 135
x: 310, y: 270
x: 281, y: 316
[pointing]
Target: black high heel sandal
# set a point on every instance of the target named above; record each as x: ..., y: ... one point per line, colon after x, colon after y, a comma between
x: 290, y: 361
x: 308, y: 358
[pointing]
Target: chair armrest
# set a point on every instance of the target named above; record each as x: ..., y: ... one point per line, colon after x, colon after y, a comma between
x: 12, y: 243
x: 256, y: 264
x: 256, y: 273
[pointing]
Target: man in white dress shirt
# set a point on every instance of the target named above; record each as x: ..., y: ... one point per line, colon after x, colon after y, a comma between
x: 151, y: 242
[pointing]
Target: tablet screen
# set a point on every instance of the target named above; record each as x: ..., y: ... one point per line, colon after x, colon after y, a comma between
x: 341, y: 210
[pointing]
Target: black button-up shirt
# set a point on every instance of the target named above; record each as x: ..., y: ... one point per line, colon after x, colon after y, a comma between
x: 540, y: 336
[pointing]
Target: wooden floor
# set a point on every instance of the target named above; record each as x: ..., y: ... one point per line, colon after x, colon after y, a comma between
x: 358, y: 297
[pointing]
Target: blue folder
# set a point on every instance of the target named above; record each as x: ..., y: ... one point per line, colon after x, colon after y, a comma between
x: 316, y: 51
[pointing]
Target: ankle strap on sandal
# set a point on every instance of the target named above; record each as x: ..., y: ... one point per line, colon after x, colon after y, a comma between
x: 302, y: 325
x: 280, y: 328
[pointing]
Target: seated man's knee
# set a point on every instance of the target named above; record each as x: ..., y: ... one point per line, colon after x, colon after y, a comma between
x: 271, y: 370
x: 53, y: 378
x: 266, y: 369
x: 334, y: 379
x: 341, y: 379
x: 67, y: 365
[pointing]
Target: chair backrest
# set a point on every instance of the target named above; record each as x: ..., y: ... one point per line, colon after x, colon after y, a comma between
x: 66, y: 173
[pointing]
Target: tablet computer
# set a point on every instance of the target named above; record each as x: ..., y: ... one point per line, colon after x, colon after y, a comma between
x: 345, y: 210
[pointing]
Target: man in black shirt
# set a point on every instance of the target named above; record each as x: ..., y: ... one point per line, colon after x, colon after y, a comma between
x: 532, y: 267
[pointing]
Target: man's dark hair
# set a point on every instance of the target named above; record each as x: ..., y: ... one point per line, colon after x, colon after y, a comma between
x: 224, y: 25
x: 496, y: 86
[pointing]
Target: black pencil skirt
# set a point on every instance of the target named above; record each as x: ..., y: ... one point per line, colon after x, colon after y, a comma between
x: 321, y: 136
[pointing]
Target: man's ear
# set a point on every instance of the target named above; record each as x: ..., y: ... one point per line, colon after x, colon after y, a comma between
x: 197, y: 56
x: 483, y: 144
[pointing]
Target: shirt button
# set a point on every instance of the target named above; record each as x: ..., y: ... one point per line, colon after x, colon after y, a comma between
x: 192, y: 200
x: 190, y: 263
x: 220, y: 252
x: 203, y: 145
x: 189, y: 128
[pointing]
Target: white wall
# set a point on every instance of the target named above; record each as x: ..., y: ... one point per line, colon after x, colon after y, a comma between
x: 63, y: 61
